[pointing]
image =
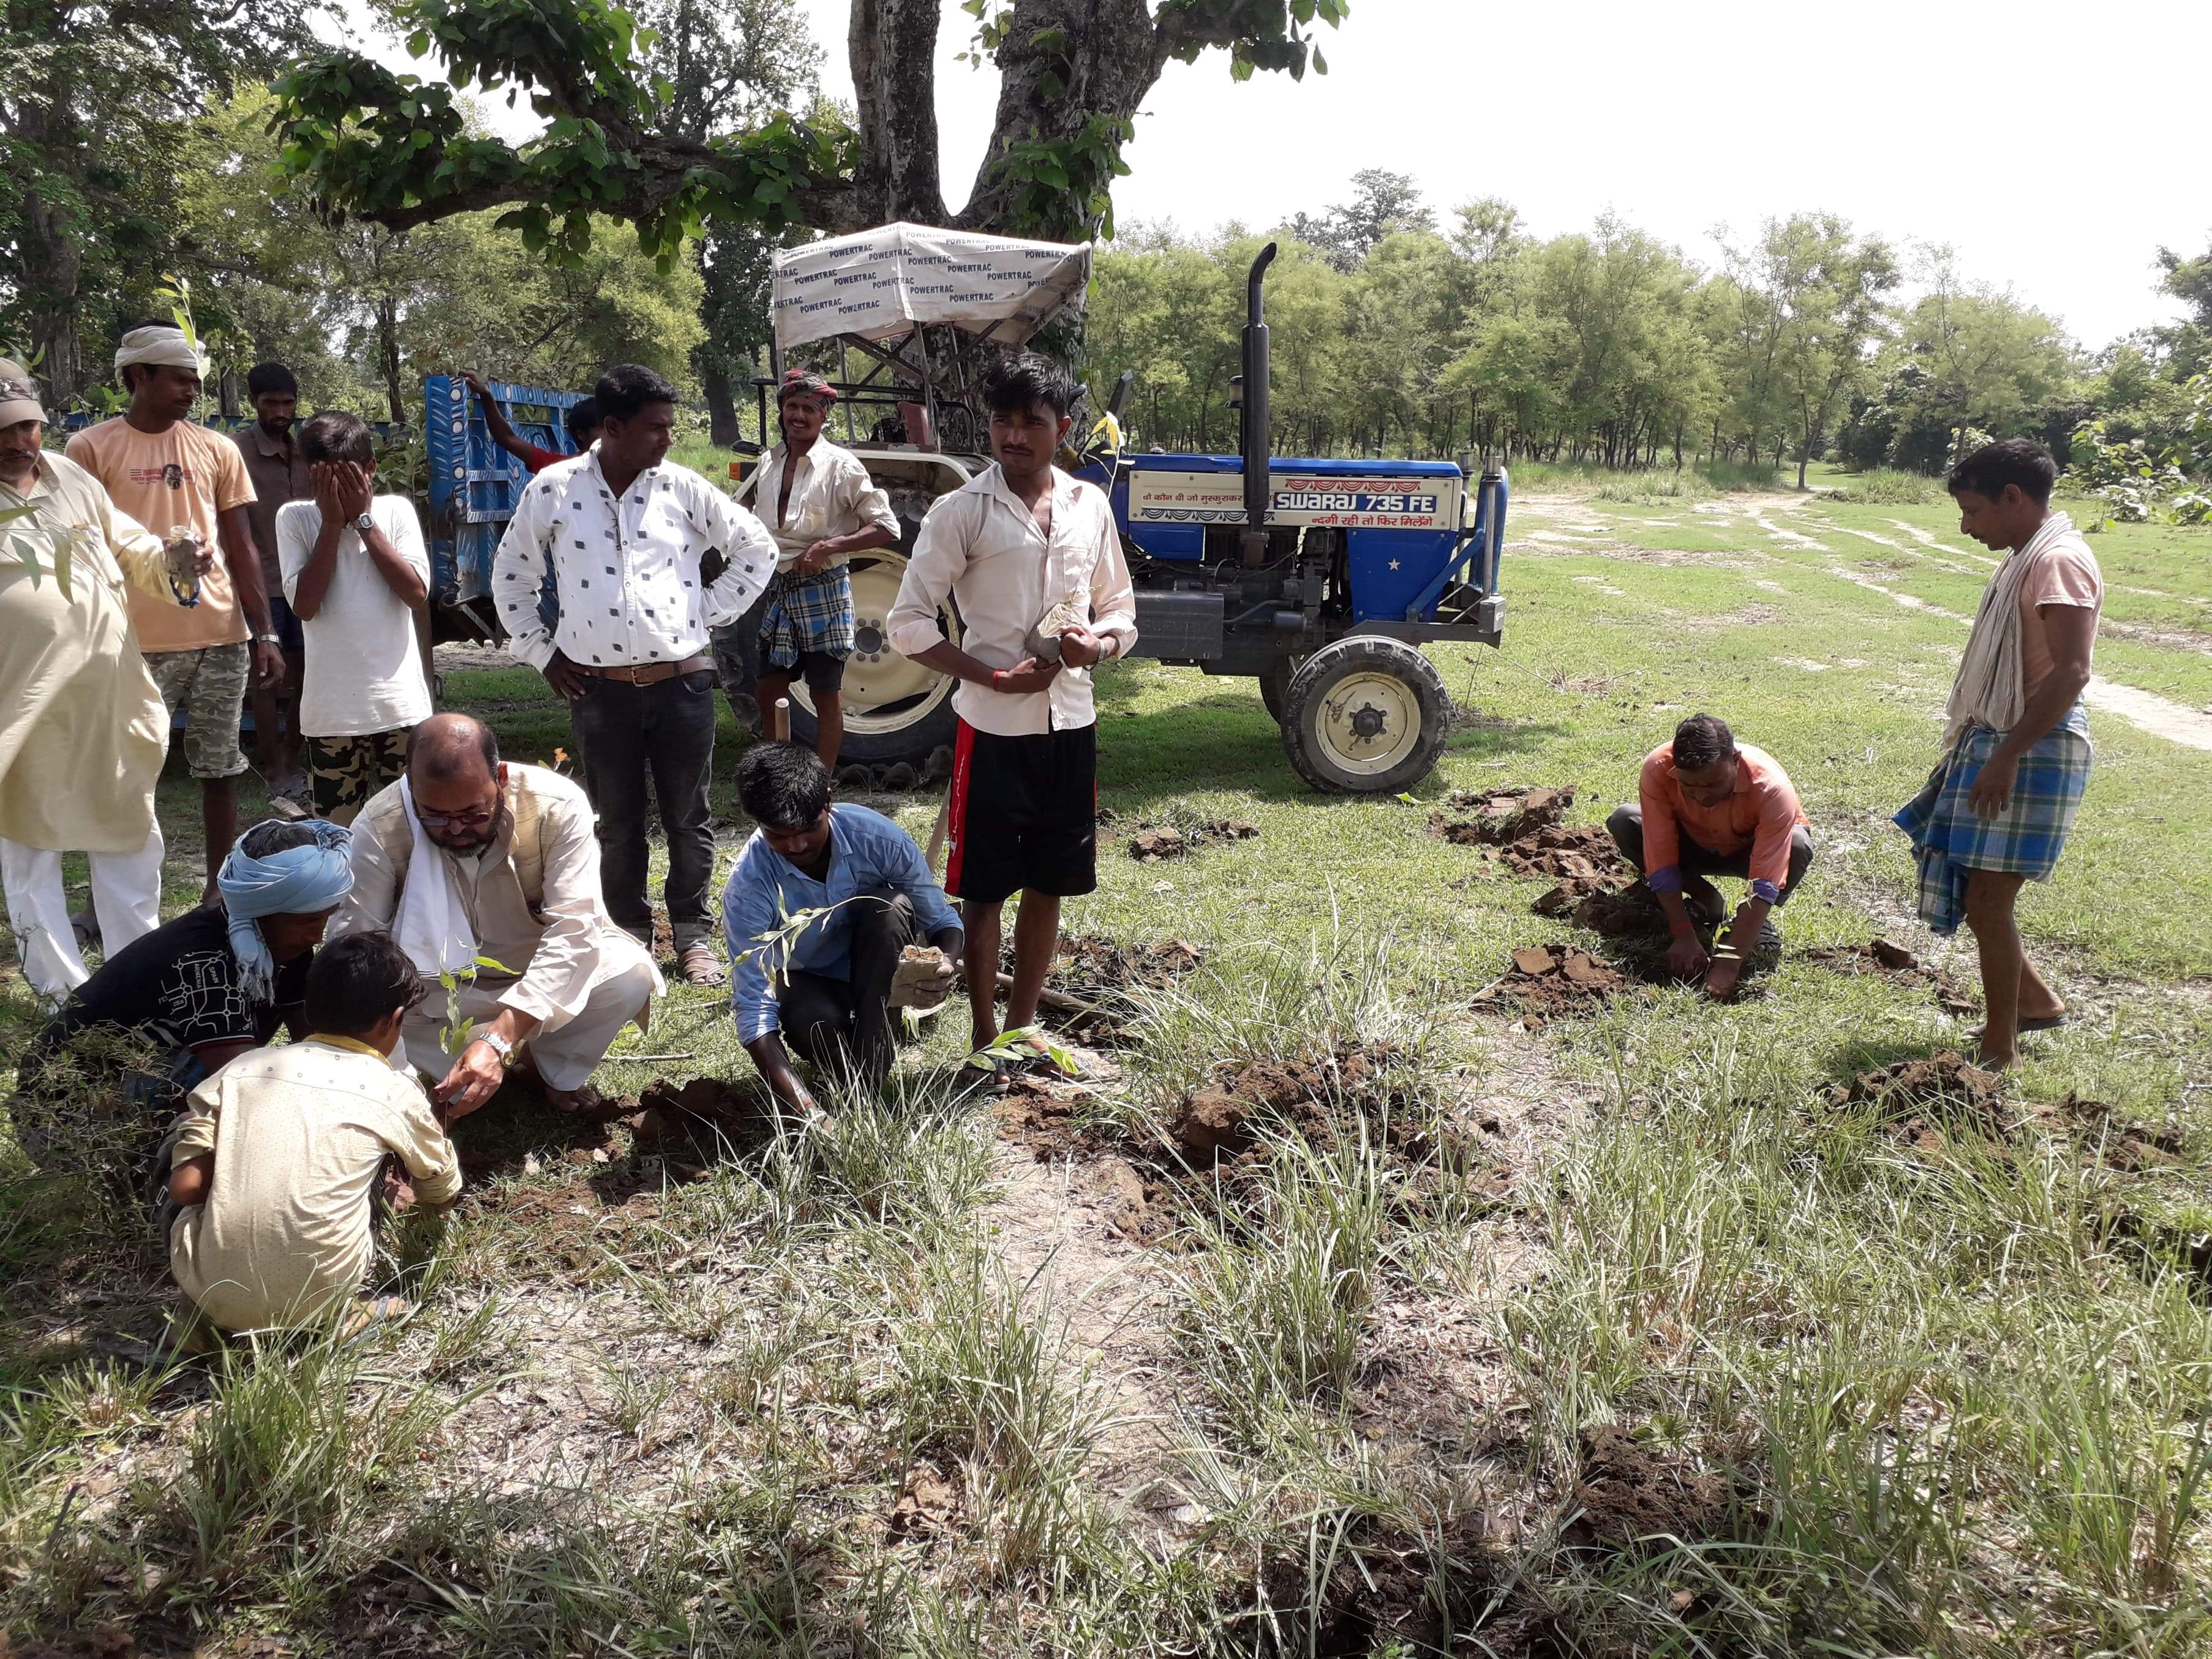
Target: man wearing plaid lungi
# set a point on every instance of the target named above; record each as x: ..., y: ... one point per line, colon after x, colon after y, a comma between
x: 1996, y: 811
x: 821, y: 507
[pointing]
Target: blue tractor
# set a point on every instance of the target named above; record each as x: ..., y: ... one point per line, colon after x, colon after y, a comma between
x: 1322, y: 579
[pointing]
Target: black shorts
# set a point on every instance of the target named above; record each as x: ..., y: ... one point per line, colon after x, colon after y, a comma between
x: 1022, y: 815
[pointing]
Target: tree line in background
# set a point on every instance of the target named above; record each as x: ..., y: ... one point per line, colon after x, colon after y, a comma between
x: 1393, y: 334
x: 307, y: 196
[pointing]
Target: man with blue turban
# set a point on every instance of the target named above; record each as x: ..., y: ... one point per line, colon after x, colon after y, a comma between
x: 216, y: 981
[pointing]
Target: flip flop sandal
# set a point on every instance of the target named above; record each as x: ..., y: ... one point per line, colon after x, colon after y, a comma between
x: 982, y: 1073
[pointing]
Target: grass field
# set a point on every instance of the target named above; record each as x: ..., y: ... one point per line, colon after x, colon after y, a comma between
x: 1618, y: 1336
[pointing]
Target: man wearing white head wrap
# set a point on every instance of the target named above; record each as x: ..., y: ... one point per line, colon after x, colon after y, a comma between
x: 175, y: 477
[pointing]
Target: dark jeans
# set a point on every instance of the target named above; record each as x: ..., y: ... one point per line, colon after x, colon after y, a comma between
x: 737, y: 664
x: 668, y: 726
x: 1626, y: 826
x: 847, y: 1026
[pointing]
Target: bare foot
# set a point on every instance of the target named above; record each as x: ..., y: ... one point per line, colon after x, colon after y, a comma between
x: 1997, y: 1059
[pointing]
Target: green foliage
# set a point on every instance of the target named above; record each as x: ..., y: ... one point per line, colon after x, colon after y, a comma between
x: 1888, y: 487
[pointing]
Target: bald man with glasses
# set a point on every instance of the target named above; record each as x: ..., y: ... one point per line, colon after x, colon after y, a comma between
x: 488, y: 872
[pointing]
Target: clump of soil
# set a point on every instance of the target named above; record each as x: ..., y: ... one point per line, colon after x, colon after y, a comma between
x: 1105, y: 975
x: 1495, y: 817
x: 1602, y: 909
x: 1631, y: 1494
x: 1380, y: 1594
x: 1914, y: 1098
x: 1898, y: 966
x: 692, y: 1125
x: 1547, y: 980
x: 1153, y: 841
x: 1215, y: 1143
x: 928, y: 1503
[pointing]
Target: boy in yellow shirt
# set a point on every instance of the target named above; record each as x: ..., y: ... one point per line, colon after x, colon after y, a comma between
x: 277, y: 1161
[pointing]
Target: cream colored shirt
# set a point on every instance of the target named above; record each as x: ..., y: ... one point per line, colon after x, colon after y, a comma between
x: 83, y: 730
x: 981, y: 544
x: 299, y: 1135
x: 533, y: 897
x: 831, y: 495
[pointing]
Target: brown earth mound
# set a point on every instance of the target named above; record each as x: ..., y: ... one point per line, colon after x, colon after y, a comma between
x: 1550, y: 980
x: 1103, y: 976
x: 1632, y: 1494
x: 1906, y: 1095
x: 1153, y: 841
x: 1897, y: 965
x: 1495, y: 817
x: 693, y: 1124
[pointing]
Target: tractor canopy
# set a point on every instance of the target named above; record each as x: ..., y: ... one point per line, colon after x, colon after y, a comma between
x: 878, y: 284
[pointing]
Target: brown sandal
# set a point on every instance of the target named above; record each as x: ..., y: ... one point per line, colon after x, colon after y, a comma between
x: 697, y: 964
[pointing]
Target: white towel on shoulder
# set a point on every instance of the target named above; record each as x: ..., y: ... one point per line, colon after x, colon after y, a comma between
x: 431, y: 926
x: 1990, y: 689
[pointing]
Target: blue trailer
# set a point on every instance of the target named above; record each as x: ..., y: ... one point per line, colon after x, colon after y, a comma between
x: 474, y: 484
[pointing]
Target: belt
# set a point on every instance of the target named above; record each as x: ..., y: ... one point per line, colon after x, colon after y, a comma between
x: 646, y: 673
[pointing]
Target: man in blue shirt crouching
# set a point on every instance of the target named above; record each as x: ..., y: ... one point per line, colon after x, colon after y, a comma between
x: 819, y: 915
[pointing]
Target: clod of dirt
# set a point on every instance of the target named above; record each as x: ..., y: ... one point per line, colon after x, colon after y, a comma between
x: 938, y: 766
x: 1105, y: 975
x: 899, y: 777
x: 927, y: 1505
x: 855, y: 777
x: 1916, y: 1101
x: 1151, y: 846
x: 1549, y: 980
x: 2128, y: 1145
x: 1631, y: 1493
x: 1633, y: 909
x: 694, y: 1124
x: 1498, y: 815
x: 1153, y: 842
x: 1900, y: 966
x: 1212, y: 1120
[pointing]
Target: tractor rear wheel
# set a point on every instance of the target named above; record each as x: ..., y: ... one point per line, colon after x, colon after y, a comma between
x: 895, y: 710
x: 1368, y: 715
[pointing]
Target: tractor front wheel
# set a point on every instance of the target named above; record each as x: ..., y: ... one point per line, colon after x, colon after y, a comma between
x: 1367, y: 714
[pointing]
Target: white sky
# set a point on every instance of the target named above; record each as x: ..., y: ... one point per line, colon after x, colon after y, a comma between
x: 2056, y: 146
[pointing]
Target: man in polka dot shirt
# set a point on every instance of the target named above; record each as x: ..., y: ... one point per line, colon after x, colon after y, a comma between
x: 598, y: 584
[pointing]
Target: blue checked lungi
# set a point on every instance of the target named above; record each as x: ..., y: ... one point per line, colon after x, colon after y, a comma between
x: 807, y: 613
x: 1951, y: 841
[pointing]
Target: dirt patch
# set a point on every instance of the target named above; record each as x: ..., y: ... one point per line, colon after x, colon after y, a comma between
x: 1150, y: 842
x: 1547, y: 980
x: 1108, y: 979
x: 1893, y: 963
x: 692, y: 1125
x: 1916, y: 1099
x: 928, y: 1503
x: 1214, y: 1146
x: 1376, y: 1594
x: 1493, y: 817
x: 1632, y: 1494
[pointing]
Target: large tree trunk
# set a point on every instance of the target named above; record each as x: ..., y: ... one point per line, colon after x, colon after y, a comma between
x: 1067, y: 69
x: 893, y: 44
x: 387, y: 355
x: 722, y: 424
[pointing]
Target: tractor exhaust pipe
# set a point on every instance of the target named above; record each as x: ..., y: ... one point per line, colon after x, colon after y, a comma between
x: 1252, y: 547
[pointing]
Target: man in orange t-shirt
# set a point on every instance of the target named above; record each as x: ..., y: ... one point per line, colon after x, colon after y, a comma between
x: 172, y: 475
x: 1708, y: 806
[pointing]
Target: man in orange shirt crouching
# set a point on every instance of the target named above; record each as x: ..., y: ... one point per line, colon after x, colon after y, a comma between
x: 1708, y: 805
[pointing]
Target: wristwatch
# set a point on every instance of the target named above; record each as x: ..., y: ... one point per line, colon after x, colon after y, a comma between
x: 364, y: 524
x: 498, y: 1044
x: 268, y: 639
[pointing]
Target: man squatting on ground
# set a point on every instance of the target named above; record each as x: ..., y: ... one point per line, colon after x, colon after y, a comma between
x: 168, y: 473
x: 830, y: 990
x: 1997, y: 809
x: 1708, y: 806
x: 279, y: 474
x: 275, y: 1167
x: 356, y: 571
x: 468, y: 857
x: 822, y: 508
x: 82, y: 731
x: 1033, y: 557
x: 216, y: 981
x: 619, y: 534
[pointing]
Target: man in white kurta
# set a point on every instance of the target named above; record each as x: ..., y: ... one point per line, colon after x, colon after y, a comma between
x: 469, y: 857
x: 83, y: 731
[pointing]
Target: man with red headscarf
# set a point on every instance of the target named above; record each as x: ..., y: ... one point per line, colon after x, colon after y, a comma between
x: 818, y: 501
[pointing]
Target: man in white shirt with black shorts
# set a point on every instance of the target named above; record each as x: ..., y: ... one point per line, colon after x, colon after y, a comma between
x: 617, y: 537
x: 1035, y: 561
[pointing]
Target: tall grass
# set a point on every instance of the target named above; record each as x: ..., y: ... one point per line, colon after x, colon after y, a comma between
x: 1889, y: 487
x: 1697, y: 480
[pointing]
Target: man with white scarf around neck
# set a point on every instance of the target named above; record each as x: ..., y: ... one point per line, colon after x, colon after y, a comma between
x: 470, y: 861
x: 2016, y: 753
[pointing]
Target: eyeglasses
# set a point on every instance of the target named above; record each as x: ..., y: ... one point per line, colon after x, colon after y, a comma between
x: 471, y: 820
